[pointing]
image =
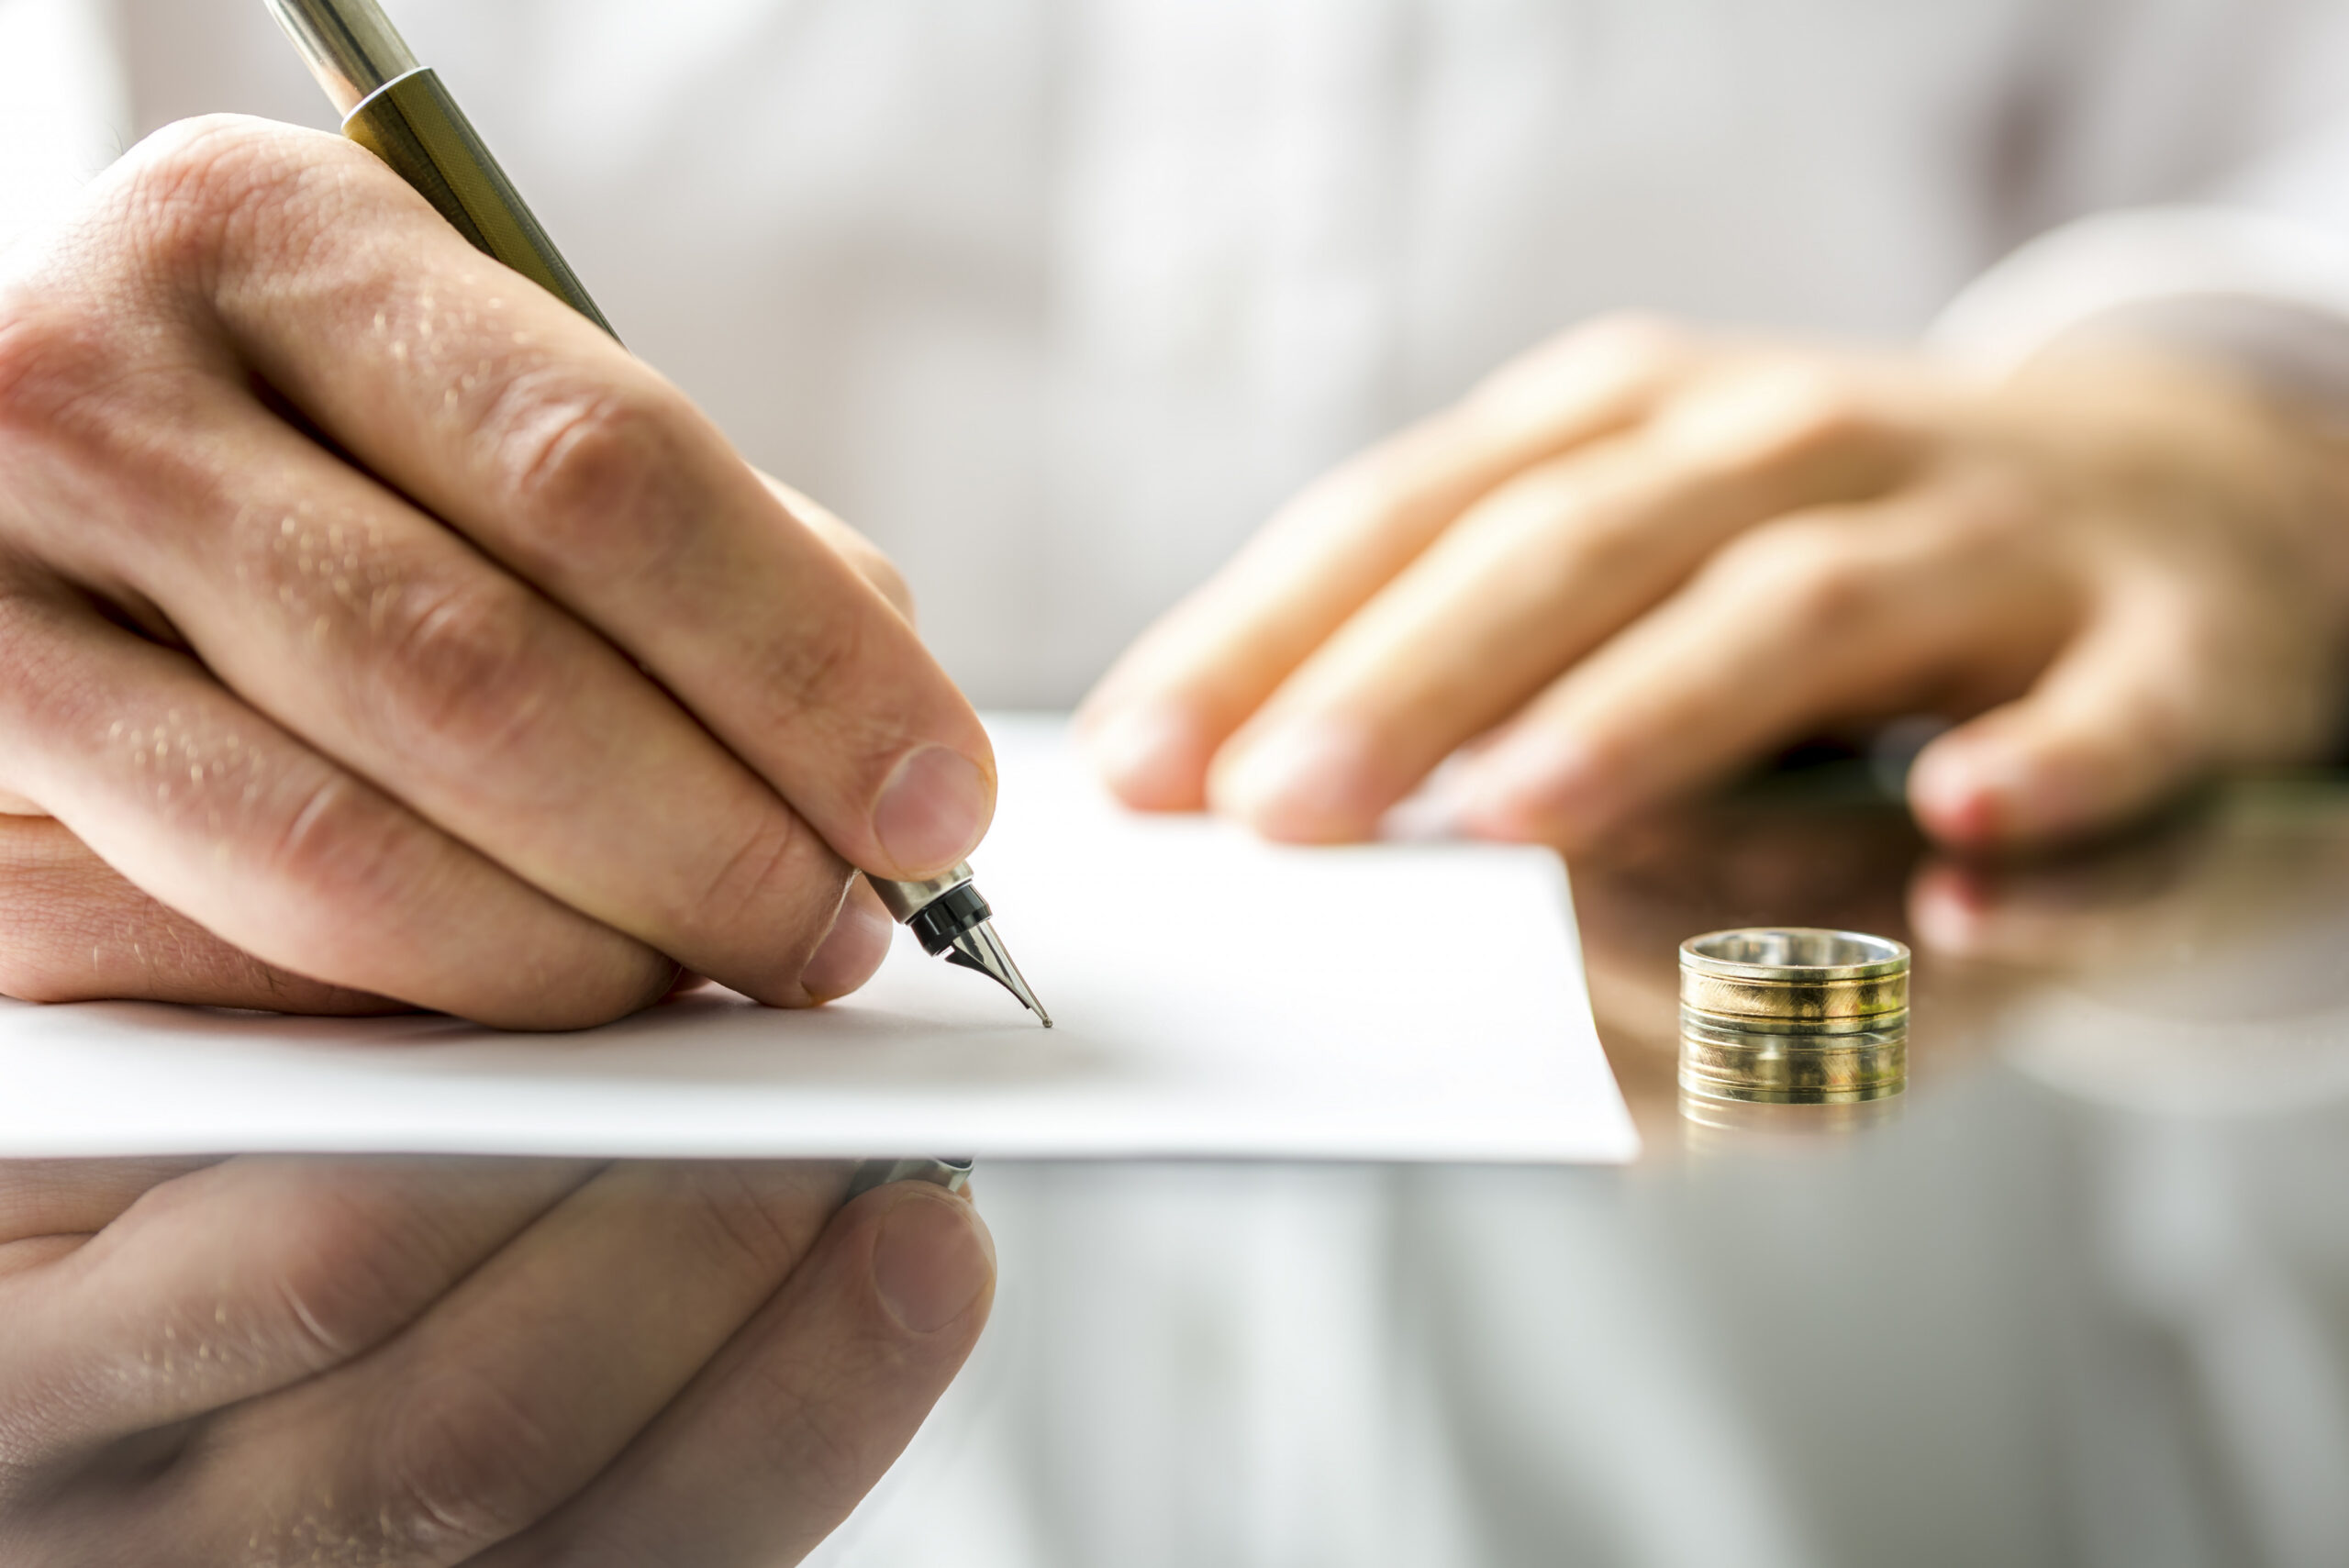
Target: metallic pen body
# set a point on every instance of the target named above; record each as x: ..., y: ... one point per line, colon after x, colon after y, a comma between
x: 399, y: 110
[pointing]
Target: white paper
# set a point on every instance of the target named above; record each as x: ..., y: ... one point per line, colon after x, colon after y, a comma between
x: 1214, y: 996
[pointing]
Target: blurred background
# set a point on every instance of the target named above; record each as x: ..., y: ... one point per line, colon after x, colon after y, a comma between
x: 1058, y: 299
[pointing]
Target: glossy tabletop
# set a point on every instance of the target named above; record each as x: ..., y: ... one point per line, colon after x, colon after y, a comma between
x: 2081, y: 1295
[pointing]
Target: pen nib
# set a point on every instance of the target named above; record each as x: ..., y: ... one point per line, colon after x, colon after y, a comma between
x: 979, y: 948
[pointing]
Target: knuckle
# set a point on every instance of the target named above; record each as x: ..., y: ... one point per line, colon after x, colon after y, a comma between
x: 458, y: 1466
x: 593, y: 477
x: 341, y: 848
x: 766, y: 864
x: 198, y: 187
x: 1618, y: 352
x: 1806, y: 573
x: 753, y: 1224
x: 829, y: 1455
x: 357, y: 1276
x: 154, y: 231
x: 1783, y: 414
x: 464, y: 670
x: 54, y: 359
x: 887, y: 580
x: 799, y: 676
x: 833, y: 1465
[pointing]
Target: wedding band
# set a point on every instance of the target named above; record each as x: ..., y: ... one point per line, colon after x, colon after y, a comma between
x: 1793, y: 1014
x: 1778, y: 977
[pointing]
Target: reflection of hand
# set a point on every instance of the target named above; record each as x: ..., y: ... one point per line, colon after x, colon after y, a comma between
x: 508, y: 1362
x: 1644, y: 557
x: 2257, y: 884
x: 371, y: 609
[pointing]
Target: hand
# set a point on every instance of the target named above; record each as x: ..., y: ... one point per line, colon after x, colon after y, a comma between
x: 376, y: 631
x: 1639, y: 559
x: 507, y: 1362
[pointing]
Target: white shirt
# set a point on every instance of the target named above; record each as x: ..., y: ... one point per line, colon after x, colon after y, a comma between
x: 1057, y: 298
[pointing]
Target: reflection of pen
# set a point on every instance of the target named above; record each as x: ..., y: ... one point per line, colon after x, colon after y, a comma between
x: 400, y: 112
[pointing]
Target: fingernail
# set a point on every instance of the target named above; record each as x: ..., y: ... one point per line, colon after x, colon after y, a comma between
x: 1153, y: 757
x: 1966, y: 793
x: 1540, y: 783
x: 1312, y: 780
x: 931, y: 1260
x: 932, y: 811
x: 849, y: 956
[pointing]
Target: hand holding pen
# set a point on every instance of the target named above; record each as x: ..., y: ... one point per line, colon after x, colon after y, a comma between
x: 401, y: 111
x: 512, y: 696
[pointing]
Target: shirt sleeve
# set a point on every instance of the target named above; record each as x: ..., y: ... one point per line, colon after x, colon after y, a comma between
x: 2201, y: 155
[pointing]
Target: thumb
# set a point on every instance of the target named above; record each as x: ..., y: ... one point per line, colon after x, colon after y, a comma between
x: 2121, y: 721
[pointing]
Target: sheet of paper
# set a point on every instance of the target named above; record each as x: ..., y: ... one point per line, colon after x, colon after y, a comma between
x: 1214, y: 997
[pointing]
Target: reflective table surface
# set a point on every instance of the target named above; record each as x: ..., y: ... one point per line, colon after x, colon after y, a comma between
x: 2081, y: 1296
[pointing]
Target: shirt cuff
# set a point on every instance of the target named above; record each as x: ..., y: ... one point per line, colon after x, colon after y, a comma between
x: 2264, y: 293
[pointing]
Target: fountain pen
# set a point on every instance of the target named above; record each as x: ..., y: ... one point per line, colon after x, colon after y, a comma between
x: 400, y: 111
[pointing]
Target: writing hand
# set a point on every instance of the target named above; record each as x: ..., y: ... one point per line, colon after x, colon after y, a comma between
x: 370, y: 611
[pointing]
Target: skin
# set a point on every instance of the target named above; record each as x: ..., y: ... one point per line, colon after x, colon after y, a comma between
x: 370, y: 611
x: 279, y: 1362
x: 1641, y: 557
x: 375, y: 633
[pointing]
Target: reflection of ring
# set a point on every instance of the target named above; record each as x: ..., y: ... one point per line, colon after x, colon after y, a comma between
x: 1728, y: 1063
x: 1811, y: 979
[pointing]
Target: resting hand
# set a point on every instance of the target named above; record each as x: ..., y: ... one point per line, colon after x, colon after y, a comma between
x: 1639, y: 559
x: 509, y: 1362
x: 374, y: 628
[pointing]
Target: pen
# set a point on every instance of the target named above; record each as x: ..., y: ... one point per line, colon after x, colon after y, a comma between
x: 400, y: 111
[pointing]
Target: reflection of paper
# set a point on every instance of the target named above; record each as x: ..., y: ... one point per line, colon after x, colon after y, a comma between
x: 1214, y: 997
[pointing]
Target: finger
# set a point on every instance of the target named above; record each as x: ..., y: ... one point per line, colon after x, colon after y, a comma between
x: 1852, y: 612
x: 780, y: 1436
x: 337, y: 608
x: 848, y: 544
x: 519, y: 1388
x: 48, y: 1207
x: 368, y: 628
x: 1155, y: 721
x: 513, y: 418
x: 1534, y: 576
x: 246, y: 1276
x: 2155, y: 692
x: 74, y: 930
x: 854, y: 950
x: 2108, y: 907
x: 215, y: 812
x: 2038, y: 921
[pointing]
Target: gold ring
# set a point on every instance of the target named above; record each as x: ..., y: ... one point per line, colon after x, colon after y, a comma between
x: 1799, y: 975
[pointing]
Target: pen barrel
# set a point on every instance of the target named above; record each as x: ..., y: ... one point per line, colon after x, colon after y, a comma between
x: 350, y: 46
x: 415, y: 126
